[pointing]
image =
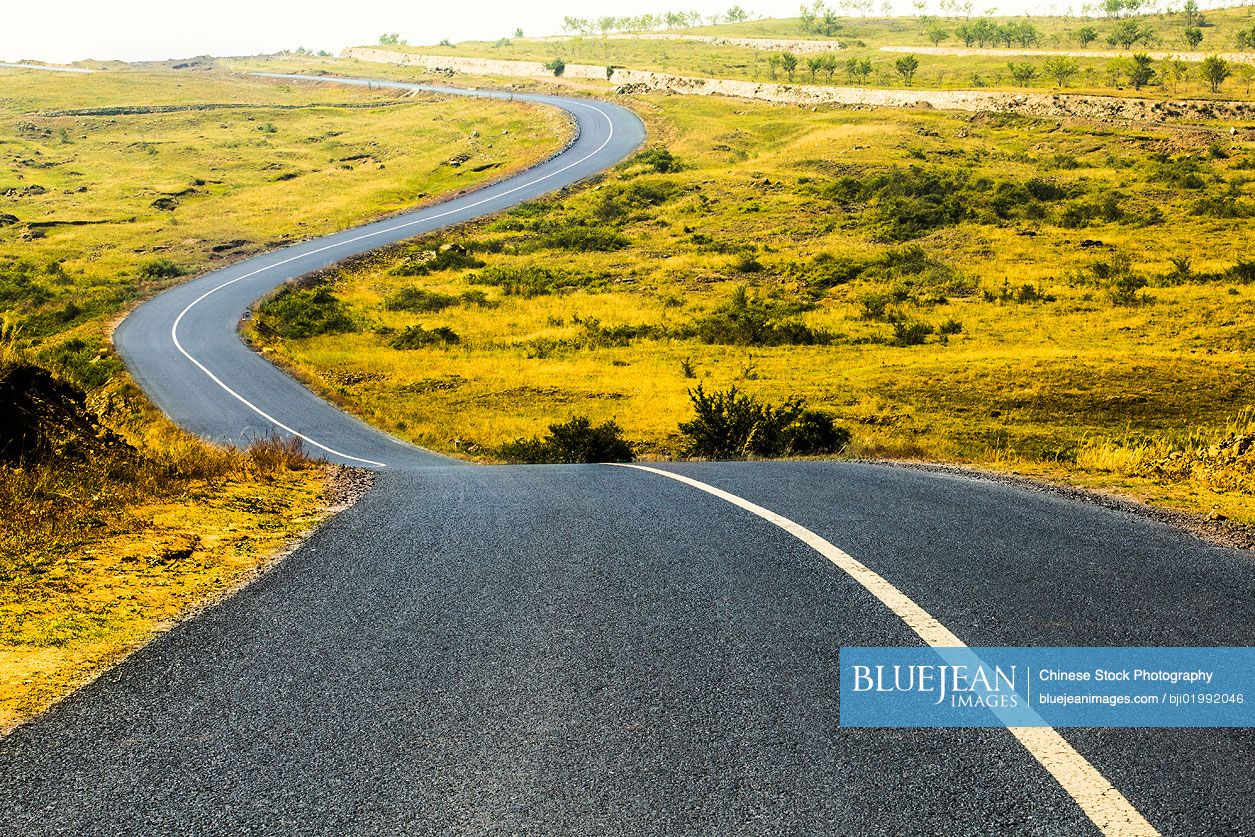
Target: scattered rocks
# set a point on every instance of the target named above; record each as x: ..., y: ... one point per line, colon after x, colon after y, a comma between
x: 29, y: 191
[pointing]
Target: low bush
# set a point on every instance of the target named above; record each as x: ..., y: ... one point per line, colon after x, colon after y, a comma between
x: 905, y: 203
x: 531, y: 280
x: 659, y: 160
x: 417, y: 337
x: 907, y: 332
x: 161, y: 269
x: 575, y: 441
x: 305, y: 312
x: 1081, y: 213
x: 585, y: 239
x: 620, y: 202
x: 745, y: 320
x: 419, y: 300
x: 733, y: 425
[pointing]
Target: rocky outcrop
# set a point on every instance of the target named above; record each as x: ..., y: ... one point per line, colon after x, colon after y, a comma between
x: 1050, y: 105
x: 41, y: 416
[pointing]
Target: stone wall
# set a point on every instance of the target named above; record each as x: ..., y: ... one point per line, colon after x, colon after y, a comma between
x: 1051, y: 105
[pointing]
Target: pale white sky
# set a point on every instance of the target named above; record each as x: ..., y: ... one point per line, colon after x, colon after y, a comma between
x: 158, y: 29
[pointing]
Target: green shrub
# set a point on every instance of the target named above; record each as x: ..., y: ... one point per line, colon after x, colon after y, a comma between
x: 733, y: 425
x: 161, y: 269
x: 417, y: 337
x: 81, y: 362
x: 574, y: 441
x: 1228, y: 205
x: 1243, y: 272
x: 619, y: 202
x: 908, y: 332
x: 305, y: 312
x: 905, y: 203
x: 419, y: 300
x: 531, y: 280
x: 18, y: 283
x: 585, y: 239
x: 1124, y: 289
x: 1081, y: 213
x: 749, y: 321
x: 660, y: 160
x: 476, y: 298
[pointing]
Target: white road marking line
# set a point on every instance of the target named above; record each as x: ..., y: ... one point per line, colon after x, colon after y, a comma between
x: 1109, y: 810
x: 174, y: 328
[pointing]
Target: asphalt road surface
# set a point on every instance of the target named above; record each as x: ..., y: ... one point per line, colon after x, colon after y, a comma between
x: 609, y: 650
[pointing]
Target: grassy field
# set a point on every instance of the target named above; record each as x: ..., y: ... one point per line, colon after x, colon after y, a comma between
x: 1062, y: 299
x: 863, y: 38
x: 113, y: 186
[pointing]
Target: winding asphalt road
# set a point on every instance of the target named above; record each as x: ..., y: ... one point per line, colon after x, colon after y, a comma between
x: 601, y: 649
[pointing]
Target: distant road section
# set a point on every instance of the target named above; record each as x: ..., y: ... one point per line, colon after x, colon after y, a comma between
x: 184, y: 349
x: 48, y: 67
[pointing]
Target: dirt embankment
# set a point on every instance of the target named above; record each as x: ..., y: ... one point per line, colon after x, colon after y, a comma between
x: 802, y: 46
x: 1051, y: 105
x: 1158, y: 55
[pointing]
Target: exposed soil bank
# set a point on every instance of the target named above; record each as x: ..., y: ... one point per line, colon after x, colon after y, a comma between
x: 1051, y: 105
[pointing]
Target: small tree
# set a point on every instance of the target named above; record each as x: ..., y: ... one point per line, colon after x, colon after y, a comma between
x: 1025, y: 34
x: 1177, y: 70
x: 735, y: 15
x: 1117, y: 69
x: 906, y: 67
x: 1061, y: 69
x: 1193, y: 36
x: 1086, y: 35
x: 1128, y: 33
x: 858, y: 69
x: 936, y: 34
x: 1023, y: 72
x: 773, y: 65
x: 557, y: 66
x: 1246, y: 73
x: 518, y: 33
x: 1191, y: 12
x: 390, y: 39
x: 1215, y: 70
x: 1141, y: 73
x: 814, y: 65
x: 789, y: 62
x: 829, y: 67
x: 829, y: 25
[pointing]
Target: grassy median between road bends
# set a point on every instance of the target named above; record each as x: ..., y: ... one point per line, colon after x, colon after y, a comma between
x: 1020, y: 293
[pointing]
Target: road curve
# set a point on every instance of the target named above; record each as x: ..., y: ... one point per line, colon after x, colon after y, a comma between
x: 184, y: 350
